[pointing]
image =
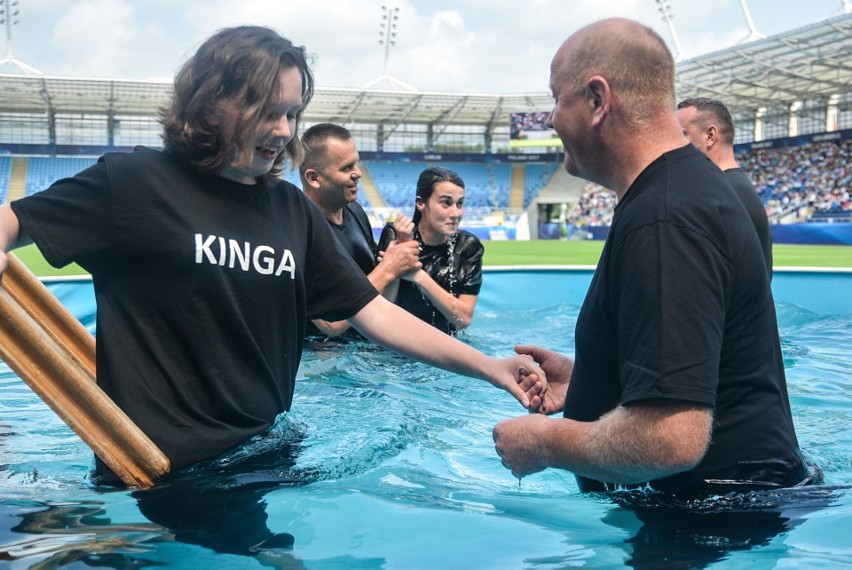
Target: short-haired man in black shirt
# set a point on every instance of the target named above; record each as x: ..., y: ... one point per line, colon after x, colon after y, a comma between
x: 708, y: 125
x: 330, y: 176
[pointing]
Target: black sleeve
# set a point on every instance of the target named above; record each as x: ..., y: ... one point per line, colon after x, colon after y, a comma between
x: 71, y: 220
x: 471, y: 252
x: 336, y: 287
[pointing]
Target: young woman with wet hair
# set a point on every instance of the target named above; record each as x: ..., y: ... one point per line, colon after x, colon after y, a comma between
x: 444, y: 292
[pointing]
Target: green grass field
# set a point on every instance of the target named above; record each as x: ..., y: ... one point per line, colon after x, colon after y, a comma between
x: 546, y: 252
x: 552, y: 252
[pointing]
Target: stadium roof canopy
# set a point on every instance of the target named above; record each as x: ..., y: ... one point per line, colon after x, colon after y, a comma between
x: 808, y: 63
x: 813, y: 62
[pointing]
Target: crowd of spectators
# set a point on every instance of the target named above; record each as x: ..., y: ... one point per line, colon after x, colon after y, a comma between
x: 796, y: 184
x: 594, y: 208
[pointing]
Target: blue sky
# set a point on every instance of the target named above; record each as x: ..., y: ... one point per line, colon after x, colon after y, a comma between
x: 490, y: 46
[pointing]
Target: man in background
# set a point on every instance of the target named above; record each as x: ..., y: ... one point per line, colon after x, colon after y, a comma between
x: 708, y: 125
x: 330, y: 176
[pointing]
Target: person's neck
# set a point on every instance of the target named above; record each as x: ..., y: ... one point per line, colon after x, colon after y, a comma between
x: 727, y: 161
x: 635, y: 152
x: 429, y: 238
x: 333, y: 214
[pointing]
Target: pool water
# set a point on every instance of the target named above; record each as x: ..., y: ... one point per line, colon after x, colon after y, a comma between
x: 387, y: 463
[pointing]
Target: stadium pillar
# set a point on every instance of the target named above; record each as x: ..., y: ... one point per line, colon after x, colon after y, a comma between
x: 831, y: 113
x: 793, y: 118
x: 111, y: 127
x: 758, y: 124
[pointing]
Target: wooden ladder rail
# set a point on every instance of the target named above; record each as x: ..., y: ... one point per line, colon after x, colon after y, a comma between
x: 55, y: 355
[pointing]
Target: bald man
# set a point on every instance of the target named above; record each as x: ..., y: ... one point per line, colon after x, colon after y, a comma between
x: 678, y: 380
x: 708, y: 125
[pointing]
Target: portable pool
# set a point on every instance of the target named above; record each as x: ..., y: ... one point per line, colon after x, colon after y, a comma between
x: 387, y: 463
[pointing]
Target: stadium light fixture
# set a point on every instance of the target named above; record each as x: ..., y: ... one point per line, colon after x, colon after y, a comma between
x: 666, y: 12
x: 8, y: 15
x: 753, y: 34
x: 387, y: 32
x: 387, y: 38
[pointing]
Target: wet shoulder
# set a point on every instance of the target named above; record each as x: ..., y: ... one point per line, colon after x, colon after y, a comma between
x: 468, y: 243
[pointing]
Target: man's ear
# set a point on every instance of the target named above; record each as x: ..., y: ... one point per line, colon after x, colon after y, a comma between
x: 711, y: 134
x: 599, y: 98
x: 311, y: 177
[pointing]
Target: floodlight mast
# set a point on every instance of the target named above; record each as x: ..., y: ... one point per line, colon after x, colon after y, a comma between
x: 387, y: 32
x: 8, y: 15
x: 666, y: 12
x: 753, y: 34
x: 387, y: 38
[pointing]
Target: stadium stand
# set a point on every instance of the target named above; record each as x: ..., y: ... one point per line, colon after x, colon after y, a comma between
x: 5, y: 172
x: 537, y: 176
x: 395, y: 181
x: 808, y: 183
x: 44, y: 171
x: 487, y: 185
x: 799, y: 183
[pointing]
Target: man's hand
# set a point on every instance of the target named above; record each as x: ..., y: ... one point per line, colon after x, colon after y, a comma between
x: 400, y: 258
x: 521, y: 377
x: 519, y: 444
x: 404, y: 228
x: 558, y: 368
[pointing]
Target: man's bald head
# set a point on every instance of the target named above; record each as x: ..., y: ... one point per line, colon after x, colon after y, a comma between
x: 630, y: 56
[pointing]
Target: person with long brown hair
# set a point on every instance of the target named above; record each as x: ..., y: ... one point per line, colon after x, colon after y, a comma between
x: 206, y: 265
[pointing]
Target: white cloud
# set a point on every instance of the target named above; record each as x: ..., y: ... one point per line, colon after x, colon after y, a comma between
x: 495, y: 46
x: 111, y: 29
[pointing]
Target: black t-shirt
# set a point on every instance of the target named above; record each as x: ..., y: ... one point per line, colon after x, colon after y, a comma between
x: 456, y: 266
x: 203, y: 287
x: 356, y: 238
x: 680, y: 308
x: 739, y: 181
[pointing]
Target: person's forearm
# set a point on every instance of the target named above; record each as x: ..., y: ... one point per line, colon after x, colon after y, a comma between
x: 381, y: 278
x: 391, y: 291
x: 11, y: 235
x: 332, y: 328
x: 382, y: 321
x: 457, y: 310
x: 629, y: 445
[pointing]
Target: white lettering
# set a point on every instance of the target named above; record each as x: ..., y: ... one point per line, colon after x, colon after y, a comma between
x: 203, y: 248
x: 266, y: 267
x: 762, y: 145
x: 232, y: 253
x: 239, y: 255
x: 287, y: 264
x: 222, y: 251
